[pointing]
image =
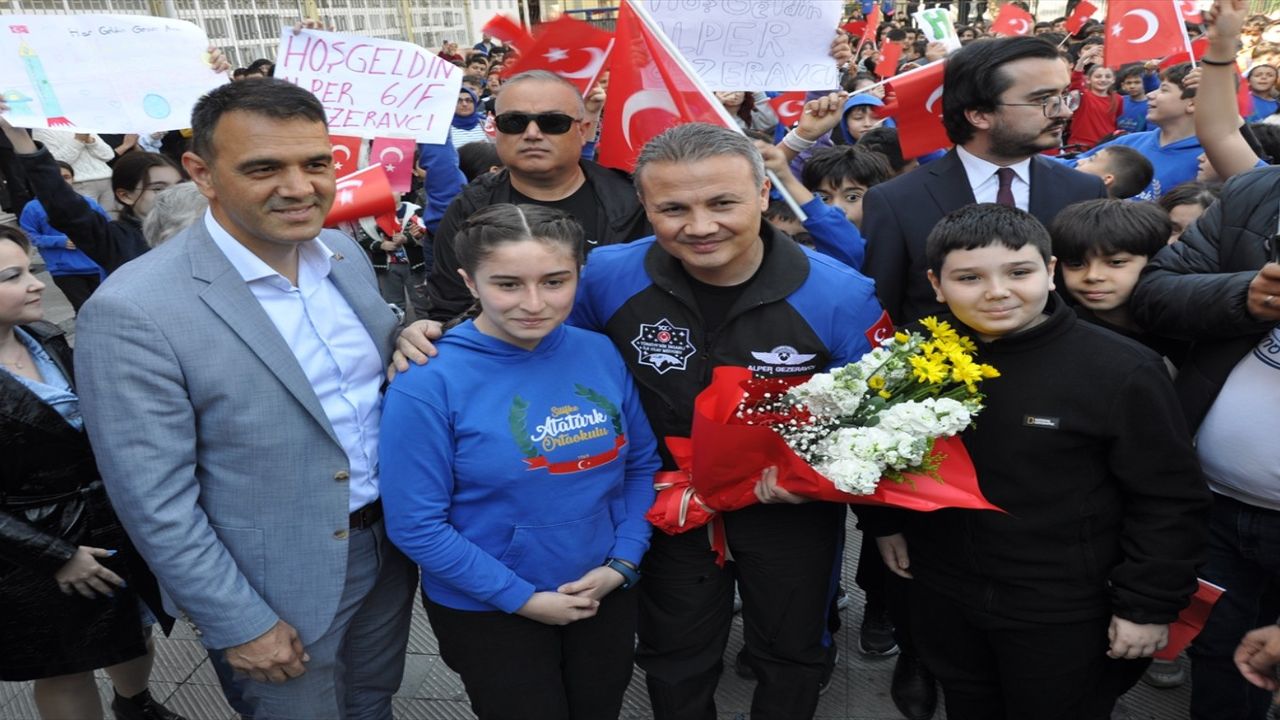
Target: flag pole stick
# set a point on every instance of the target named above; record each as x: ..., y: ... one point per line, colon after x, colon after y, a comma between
x: 1186, y: 38
x: 643, y: 13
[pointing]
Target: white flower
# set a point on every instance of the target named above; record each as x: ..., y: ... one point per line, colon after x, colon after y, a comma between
x: 826, y: 395
x: 851, y: 474
x: 932, y: 417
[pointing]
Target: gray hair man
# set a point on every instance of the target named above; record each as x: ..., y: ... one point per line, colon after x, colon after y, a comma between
x: 716, y: 285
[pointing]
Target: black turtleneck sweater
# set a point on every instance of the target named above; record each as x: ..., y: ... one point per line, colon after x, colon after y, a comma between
x: 1083, y: 445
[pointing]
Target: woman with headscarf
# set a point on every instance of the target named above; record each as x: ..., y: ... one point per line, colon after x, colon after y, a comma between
x: 468, y: 119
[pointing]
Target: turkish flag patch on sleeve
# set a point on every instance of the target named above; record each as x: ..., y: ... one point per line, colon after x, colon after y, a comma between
x: 881, y: 331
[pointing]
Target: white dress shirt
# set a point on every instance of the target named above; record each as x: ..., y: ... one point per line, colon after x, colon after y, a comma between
x: 330, y: 344
x: 985, y: 182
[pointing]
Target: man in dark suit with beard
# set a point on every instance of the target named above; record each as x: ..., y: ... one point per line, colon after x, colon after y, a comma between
x: 1004, y: 101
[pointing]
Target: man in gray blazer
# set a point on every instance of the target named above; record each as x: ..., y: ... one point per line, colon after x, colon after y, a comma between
x: 230, y: 384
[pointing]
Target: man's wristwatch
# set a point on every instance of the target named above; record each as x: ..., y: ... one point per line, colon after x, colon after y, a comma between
x: 629, y: 572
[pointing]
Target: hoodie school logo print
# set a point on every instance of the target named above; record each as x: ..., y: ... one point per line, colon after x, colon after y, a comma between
x: 663, y: 346
x: 566, y: 425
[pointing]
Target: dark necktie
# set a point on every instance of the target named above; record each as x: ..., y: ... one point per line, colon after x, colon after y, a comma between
x: 1004, y: 195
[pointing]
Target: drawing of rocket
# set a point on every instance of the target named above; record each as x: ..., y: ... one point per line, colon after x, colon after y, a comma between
x: 44, y: 89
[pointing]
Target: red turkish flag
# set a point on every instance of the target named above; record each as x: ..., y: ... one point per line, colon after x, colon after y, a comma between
x: 1191, y: 620
x: 650, y: 92
x: 788, y: 107
x: 508, y: 31
x: 1244, y: 98
x: 1080, y: 16
x: 873, y: 24
x: 1190, y: 10
x: 1140, y: 30
x: 1013, y: 20
x: 889, y: 57
x: 854, y: 28
x: 1199, y: 47
x: 919, y: 114
x: 572, y: 49
x: 361, y: 194
x: 396, y: 157
x: 346, y: 154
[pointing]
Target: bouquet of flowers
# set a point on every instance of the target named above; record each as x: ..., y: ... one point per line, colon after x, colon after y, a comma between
x: 892, y: 415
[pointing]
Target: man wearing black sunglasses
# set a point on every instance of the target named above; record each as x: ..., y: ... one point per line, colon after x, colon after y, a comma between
x: 542, y: 126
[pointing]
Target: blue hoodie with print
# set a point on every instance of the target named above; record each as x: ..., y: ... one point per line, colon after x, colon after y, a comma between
x: 506, y: 471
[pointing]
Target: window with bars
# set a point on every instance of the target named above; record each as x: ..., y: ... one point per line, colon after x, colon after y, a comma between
x: 215, y: 27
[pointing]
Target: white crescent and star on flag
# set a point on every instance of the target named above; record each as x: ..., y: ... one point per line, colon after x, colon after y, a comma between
x: 595, y: 59
x: 1153, y: 25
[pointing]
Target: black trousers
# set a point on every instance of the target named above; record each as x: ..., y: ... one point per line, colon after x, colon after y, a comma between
x: 783, y: 556
x: 884, y: 590
x: 77, y: 288
x: 520, y: 669
x: 993, y: 668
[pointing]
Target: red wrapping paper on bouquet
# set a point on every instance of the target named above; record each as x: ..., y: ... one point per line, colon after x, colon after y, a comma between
x: 727, y: 458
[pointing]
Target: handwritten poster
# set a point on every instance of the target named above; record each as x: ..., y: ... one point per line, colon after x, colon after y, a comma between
x: 103, y: 73
x: 754, y: 44
x: 936, y: 26
x: 372, y: 87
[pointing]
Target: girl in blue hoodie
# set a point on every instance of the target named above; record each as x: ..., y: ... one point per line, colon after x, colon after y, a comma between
x: 516, y: 468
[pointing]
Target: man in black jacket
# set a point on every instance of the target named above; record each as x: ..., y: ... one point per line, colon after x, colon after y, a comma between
x: 542, y: 126
x: 1215, y: 287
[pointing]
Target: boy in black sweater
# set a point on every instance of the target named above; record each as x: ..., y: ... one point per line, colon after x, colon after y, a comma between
x: 1050, y: 609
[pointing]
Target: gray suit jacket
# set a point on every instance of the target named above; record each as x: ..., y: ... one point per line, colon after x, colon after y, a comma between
x: 213, y: 446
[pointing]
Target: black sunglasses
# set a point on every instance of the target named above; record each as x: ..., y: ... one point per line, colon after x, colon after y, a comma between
x: 551, y: 123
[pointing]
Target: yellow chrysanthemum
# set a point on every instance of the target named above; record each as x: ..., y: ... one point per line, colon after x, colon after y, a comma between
x: 901, y: 337
x: 928, y: 370
x: 875, y: 382
x: 965, y: 370
x: 989, y: 371
x: 939, y: 329
x: 885, y: 394
x: 967, y: 343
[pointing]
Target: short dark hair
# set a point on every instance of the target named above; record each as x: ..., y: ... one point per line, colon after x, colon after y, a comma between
x: 884, y: 140
x: 239, y: 73
x: 781, y: 211
x: 1174, y: 76
x: 14, y: 234
x: 503, y: 223
x: 844, y: 163
x: 973, y: 79
x: 1268, y: 137
x: 897, y: 34
x: 1131, y: 169
x: 262, y: 66
x: 1127, y: 71
x: 475, y: 158
x: 62, y: 164
x: 269, y: 97
x: 1137, y: 228
x: 981, y: 225
x: 1190, y: 193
